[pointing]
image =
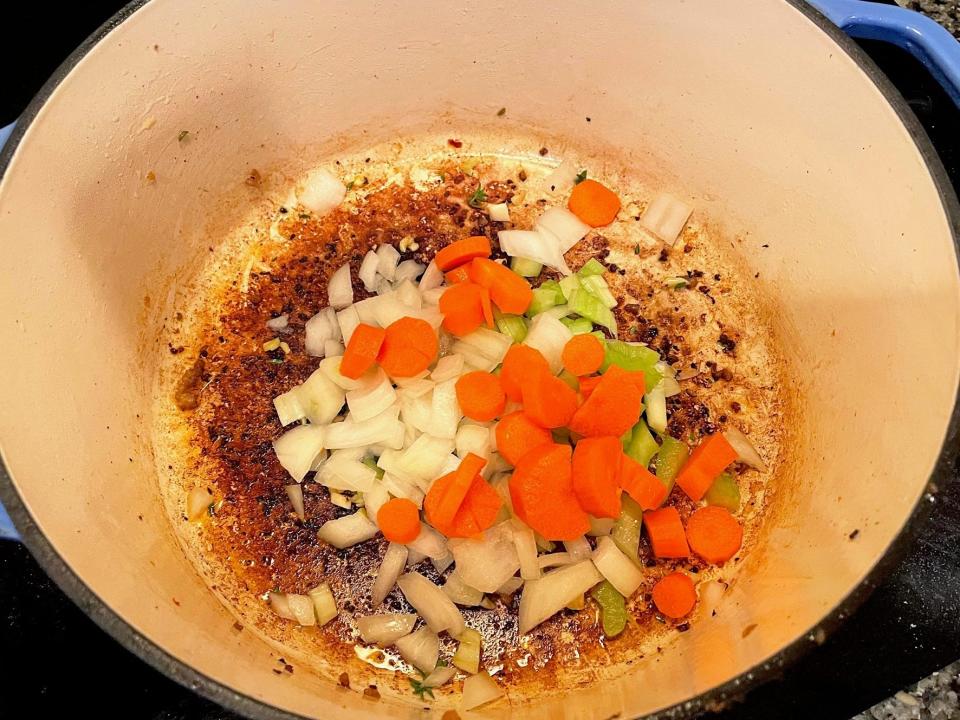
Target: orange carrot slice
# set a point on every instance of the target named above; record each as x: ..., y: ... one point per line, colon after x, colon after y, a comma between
x: 509, y: 292
x: 462, y: 251
x: 462, y: 308
x: 446, y: 494
x: 409, y: 346
x: 612, y: 408
x: 399, y: 520
x: 675, y: 595
x: 520, y: 364
x: 665, y: 531
x: 479, y: 510
x: 541, y: 489
x: 596, y: 471
x: 361, y: 352
x: 487, y: 307
x: 548, y: 400
x: 588, y: 384
x: 583, y: 354
x: 480, y: 395
x: 641, y: 484
x: 457, y: 275
x: 594, y: 203
x: 714, y: 534
x: 706, y: 462
x: 517, y: 435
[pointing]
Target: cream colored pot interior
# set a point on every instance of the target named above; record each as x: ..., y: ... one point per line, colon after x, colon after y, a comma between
x: 755, y: 114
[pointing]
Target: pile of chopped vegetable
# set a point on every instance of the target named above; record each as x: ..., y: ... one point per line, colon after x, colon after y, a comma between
x: 476, y: 416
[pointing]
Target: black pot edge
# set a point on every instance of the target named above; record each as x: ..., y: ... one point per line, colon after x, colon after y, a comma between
x: 716, y: 698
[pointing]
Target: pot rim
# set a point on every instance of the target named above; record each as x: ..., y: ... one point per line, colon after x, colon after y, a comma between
x: 158, y: 658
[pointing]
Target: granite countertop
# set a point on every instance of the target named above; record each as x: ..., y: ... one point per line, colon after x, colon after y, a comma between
x: 945, y: 12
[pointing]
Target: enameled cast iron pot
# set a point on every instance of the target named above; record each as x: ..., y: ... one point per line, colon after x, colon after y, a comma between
x: 759, y: 110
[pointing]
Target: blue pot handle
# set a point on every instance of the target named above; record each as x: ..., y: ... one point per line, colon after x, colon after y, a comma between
x: 920, y: 36
x: 7, y: 530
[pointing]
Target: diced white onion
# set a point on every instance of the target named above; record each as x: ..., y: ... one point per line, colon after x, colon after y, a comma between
x: 385, y: 629
x: 318, y: 330
x: 526, y: 546
x: 415, y: 558
x: 387, y: 260
x: 408, y: 294
x: 579, y: 549
x: 340, y: 288
x: 375, y: 498
x: 440, y: 676
x: 295, y: 493
x: 421, y: 462
x: 666, y: 217
x: 332, y: 348
x: 617, y: 567
x: 278, y: 323
x: 343, y: 471
x: 421, y: 649
x: 549, y: 336
x: 489, y: 343
x: 366, y: 310
x: 473, y: 359
x: 324, y: 603
x: 544, y: 598
x: 566, y: 227
x: 656, y: 411
x: 556, y: 559
x: 301, y: 607
x: 198, y: 503
x: 375, y: 396
x: 445, y: 410
x: 441, y: 564
x: 348, y: 319
x: 541, y: 247
x: 368, y: 271
x: 669, y: 385
x: 432, y: 278
x: 510, y: 586
x: 461, y: 593
x: 430, y: 543
x: 347, y: 531
x: 449, y: 366
x: 408, y: 270
x: 338, y: 499
x: 600, y: 526
x: 487, y: 561
x: 322, y: 398
x: 398, y: 487
x: 432, y: 604
x: 562, y: 178
x: 280, y: 605
x: 478, y: 690
x: 288, y: 406
x: 381, y: 429
x: 498, y: 212
x: 297, y: 448
x: 394, y: 560
x: 476, y: 439
x: 414, y: 388
x: 746, y: 452
x: 384, y: 287
x: 431, y: 298
x: 321, y: 192
x: 318, y: 461
x: 330, y: 367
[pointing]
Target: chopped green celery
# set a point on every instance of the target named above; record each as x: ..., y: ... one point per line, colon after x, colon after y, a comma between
x: 570, y: 379
x: 597, y: 286
x: 633, y: 357
x: 671, y: 457
x: 586, y: 305
x: 525, y: 268
x: 626, y: 530
x: 598, y: 334
x: 613, y: 608
x: 512, y: 325
x: 546, y: 296
x: 372, y: 464
x: 592, y: 267
x: 569, y: 284
x: 543, y: 544
x: 578, y: 326
x: 641, y: 445
x: 724, y: 492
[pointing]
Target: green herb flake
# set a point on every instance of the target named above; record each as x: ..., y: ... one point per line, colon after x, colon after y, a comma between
x: 419, y: 689
x: 276, y: 361
x: 304, y: 216
x: 184, y: 134
x: 581, y: 176
x: 350, y: 185
x: 636, y: 249
x: 477, y: 198
x: 501, y: 112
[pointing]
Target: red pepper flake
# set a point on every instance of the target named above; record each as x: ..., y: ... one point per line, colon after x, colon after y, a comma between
x: 344, y: 680
x: 455, y: 143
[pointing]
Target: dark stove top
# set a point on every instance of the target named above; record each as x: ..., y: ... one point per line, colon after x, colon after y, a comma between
x: 58, y: 659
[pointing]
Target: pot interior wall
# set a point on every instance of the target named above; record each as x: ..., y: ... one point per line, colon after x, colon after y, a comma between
x: 757, y: 116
